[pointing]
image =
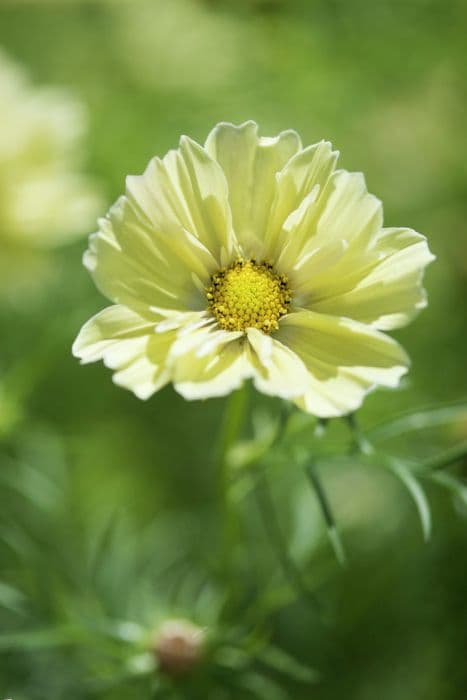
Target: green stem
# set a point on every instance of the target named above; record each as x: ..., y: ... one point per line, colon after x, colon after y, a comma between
x: 278, y: 542
x: 361, y: 444
x: 321, y: 427
x: 232, y: 422
x: 326, y: 510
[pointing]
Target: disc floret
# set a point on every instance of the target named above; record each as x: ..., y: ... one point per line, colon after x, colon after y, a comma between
x: 249, y: 294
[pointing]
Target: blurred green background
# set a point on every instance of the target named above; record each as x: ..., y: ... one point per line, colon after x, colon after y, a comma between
x: 109, y: 505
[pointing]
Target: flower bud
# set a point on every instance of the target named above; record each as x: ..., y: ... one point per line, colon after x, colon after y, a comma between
x: 178, y: 646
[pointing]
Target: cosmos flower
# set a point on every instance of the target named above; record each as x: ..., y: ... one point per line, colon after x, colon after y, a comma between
x: 252, y: 258
x: 44, y: 198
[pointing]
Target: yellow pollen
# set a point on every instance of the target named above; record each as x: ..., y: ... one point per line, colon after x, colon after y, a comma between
x: 249, y: 295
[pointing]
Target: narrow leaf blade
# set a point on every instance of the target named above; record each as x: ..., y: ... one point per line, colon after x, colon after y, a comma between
x: 416, y: 491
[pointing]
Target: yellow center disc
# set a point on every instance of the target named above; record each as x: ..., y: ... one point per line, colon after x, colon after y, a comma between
x: 249, y: 295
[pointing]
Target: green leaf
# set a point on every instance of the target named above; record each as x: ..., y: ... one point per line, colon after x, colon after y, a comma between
x: 281, y: 662
x: 452, y: 483
x: 32, y: 640
x: 457, y: 453
x: 262, y: 687
x: 419, y: 420
x: 416, y: 491
x: 232, y: 658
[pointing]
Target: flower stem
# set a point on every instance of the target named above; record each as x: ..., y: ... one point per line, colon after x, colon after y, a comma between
x: 232, y: 421
x: 360, y: 442
x: 326, y: 510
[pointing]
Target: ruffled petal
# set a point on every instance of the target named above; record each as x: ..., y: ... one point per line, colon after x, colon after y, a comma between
x: 302, y: 189
x: 345, y: 359
x: 202, y: 340
x: 329, y: 396
x: 186, y: 189
x: 207, y: 362
x: 388, y: 293
x: 341, y: 237
x: 278, y: 370
x: 349, y: 212
x: 328, y: 239
x: 250, y: 164
x: 135, y: 265
x: 126, y: 342
x: 161, y: 242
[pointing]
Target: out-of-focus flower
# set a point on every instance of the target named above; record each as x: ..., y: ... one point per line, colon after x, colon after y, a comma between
x: 44, y: 198
x: 253, y: 257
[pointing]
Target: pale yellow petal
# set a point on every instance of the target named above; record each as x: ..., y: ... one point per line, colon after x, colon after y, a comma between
x: 339, y: 224
x: 161, y: 242
x: 278, y: 370
x: 312, y: 272
x: 344, y: 343
x: 126, y: 342
x: 389, y: 293
x: 111, y: 325
x: 135, y: 265
x: 329, y: 395
x: 345, y: 359
x: 146, y: 374
x: 286, y: 246
x: 346, y: 227
x: 184, y: 321
x: 186, y: 189
x: 212, y: 364
x: 202, y: 340
x: 350, y: 212
x: 251, y: 164
x: 302, y: 187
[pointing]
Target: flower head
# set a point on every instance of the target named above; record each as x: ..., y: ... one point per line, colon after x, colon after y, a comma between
x: 44, y: 198
x: 252, y: 258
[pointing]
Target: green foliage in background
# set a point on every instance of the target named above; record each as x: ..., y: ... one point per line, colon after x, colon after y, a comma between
x: 111, y: 517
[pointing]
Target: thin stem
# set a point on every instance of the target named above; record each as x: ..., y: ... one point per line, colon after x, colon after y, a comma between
x: 232, y: 421
x: 321, y: 427
x: 286, y: 412
x: 361, y: 444
x: 326, y: 510
x: 320, y: 494
x: 278, y: 542
x: 230, y: 428
x: 445, y: 459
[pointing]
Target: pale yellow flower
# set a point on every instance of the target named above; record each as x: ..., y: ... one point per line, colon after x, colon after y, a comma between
x: 44, y: 198
x: 252, y: 258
